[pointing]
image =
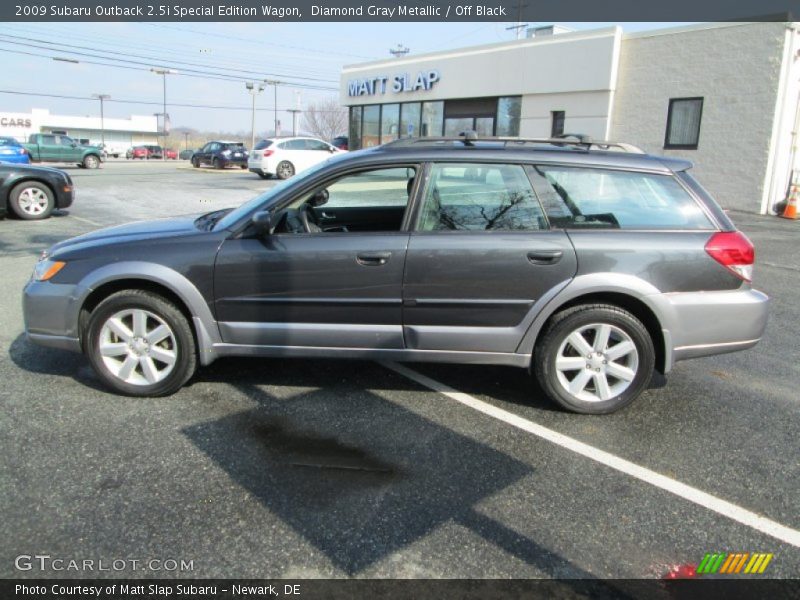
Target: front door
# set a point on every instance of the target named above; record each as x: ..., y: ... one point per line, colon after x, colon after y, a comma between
x: 480, y: 257
x: 329, y: 286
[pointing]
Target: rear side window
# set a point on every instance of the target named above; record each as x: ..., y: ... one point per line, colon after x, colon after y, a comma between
x: 480, y: 197
x: 263, y: 144
x: 575, y: 197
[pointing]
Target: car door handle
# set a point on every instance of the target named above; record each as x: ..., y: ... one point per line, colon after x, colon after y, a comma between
x: 326, y: 216
x: 545, y: 257
x: 373, y: 259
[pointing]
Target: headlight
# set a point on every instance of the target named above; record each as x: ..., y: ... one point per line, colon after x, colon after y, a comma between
x: 45, y: 269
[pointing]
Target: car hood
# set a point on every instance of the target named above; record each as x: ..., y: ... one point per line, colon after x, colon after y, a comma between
x: 30, y: 168
x: 130, y: 232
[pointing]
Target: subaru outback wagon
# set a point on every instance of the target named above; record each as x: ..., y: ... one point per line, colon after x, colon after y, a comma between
x: 589, y: 266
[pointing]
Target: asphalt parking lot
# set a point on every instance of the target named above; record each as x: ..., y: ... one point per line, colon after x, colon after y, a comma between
x: 315, y: 468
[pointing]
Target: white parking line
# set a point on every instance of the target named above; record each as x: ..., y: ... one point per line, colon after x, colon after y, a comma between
x: 687, y: 492
x: 89, y: 221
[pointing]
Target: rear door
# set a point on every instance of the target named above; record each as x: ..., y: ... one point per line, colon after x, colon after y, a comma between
x: 316, y: 152
x: 50, y: 148
x: 480, y: 256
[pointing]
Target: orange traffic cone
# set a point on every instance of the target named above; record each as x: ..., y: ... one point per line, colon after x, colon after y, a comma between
x: 791, y: 205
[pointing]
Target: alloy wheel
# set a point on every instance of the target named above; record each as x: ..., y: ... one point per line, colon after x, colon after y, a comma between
x: 138, y: 347
x: 597, y: 362
x: 33, y: 201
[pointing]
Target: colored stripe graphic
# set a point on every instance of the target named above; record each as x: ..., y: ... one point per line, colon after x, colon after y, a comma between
x: 732, y: 563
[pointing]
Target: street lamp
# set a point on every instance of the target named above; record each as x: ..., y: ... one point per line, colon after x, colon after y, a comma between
x: 164, y: 73
x: 102, y: 98
x: 275, y: 83
x: 254, y: 89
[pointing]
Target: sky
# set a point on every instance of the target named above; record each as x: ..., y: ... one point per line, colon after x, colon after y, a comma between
x: 306, y: 57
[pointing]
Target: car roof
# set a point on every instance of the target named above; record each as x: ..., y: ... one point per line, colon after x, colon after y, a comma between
x: 551, y: 151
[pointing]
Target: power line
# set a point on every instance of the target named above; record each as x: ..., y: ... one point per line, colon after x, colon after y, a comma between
x: 184, y: 72
x: 147, y: 102
x: 180, y: 62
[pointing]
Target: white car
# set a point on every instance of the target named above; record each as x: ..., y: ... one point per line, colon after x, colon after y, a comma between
x: 283, y: 157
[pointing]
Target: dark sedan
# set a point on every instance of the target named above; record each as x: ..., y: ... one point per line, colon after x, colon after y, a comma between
x: 32, y: 192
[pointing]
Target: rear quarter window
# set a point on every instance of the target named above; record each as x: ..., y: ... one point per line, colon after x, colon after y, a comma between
x: 584, y: 198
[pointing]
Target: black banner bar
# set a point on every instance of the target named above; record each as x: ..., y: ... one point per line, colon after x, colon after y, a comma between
x: 400, y: 11
x: 351, y: 589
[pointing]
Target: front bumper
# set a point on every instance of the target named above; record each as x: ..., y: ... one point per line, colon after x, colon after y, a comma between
x: 707, y: 323
x: 51, y: 313
x: 64, y: 199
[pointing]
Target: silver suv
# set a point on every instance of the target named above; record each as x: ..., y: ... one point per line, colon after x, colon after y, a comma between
x: 589, y: 265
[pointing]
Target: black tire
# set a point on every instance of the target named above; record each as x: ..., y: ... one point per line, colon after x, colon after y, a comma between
x: 185, y: 348
x: 24, y: 191
x: 263, y: 175
x: 572, y: 319
x: 91, y: 161
x: 217, y: 164
x: 242, y: 167
x: 195, y: 163
x: 284, y: 170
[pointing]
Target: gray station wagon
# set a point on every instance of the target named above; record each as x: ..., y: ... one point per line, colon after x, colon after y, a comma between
x: 590, y: 265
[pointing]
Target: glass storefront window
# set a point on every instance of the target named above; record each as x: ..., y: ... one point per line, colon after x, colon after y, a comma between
x: 370, y: 128
x: 508, y: 114
x: 390, y: 122
x: 432, y: 119
x: 455, y: 127
x: 355, y: 128
x: 410, y: 119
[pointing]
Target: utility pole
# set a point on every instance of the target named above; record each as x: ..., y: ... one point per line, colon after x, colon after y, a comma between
x: 164, y: 73
x: 102, y: 97
x: 275, y: 83
x: 295, y: 112
x: 255, y: 89
x: 520, y: 25
x: 185, y: 140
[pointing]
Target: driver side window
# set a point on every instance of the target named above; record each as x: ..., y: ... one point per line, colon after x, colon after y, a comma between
x: 364, y: 201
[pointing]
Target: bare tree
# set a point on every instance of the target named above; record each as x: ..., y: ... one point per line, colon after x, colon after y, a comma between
x: 325, y: 119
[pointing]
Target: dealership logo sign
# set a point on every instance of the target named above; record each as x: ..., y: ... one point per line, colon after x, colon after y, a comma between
x: 404, y: 82
x: 14, y: 122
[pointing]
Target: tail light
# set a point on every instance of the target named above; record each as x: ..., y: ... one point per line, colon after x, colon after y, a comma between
x: 23, y: 151
x: 733, y: 251
x: 268, y: 153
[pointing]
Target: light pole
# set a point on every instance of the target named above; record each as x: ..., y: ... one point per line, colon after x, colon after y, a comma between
x: 102, y: 98
x: 274, y: 83
x: 185, y: 140
x: 255, y: 89
x: 295, y: 112
x: 164, y: 73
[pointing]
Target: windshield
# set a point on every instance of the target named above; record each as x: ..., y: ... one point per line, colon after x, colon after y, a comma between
x: 265, y: 200
x: 7, y: 141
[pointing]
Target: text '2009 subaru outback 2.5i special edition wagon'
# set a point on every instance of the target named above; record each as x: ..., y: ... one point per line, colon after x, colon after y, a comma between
x: 591, y: 266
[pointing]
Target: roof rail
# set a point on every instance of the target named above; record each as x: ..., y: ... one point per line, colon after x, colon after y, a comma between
x: 468, y: 139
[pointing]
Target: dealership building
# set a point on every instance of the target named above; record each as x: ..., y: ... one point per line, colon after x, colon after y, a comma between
x: 119, y: 134
x: 725, y: 96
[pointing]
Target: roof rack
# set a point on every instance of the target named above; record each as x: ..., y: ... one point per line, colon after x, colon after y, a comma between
x: 571, y: 140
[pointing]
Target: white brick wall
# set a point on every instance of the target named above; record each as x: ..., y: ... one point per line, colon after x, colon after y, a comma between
x: 736, y: 69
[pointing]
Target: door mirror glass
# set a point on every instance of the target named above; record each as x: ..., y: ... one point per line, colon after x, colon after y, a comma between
x: 263, y: 222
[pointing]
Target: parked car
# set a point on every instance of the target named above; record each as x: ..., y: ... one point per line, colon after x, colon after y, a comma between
x: 113, y: 149
x: 140, y: 152
x: 11, y: 151
x: 221, y: 154
x: 50, y: 147
x: 155, y: 152
x: 129, y: 152
x: 33, y: 192
x: 186, y: 154
x: 340, y: 142
x: 593, y: 268
x: 170, y: 154
x: 284, y: 157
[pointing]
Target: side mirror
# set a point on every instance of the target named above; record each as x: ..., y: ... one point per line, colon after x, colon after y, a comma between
x: 332, y: 149
x: 318, y: 199
x: 263, y: 221
x: 74, y: 144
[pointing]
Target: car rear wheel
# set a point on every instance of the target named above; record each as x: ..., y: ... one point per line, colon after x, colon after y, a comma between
x: 31, y: 200
x: 285, y: 170
x: 140, y: 344
x: 195, y: 163
x: 594, y: 358
x: 91, y: 162
x: 217, y: 164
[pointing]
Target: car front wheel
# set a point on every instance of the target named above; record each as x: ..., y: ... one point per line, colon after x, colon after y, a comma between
x: 140, y: 344
x: 594, y: 358
x: 31, y: 200
x: 91, y: 162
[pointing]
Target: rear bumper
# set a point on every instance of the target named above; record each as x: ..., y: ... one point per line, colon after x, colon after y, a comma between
x: 705, y: 323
